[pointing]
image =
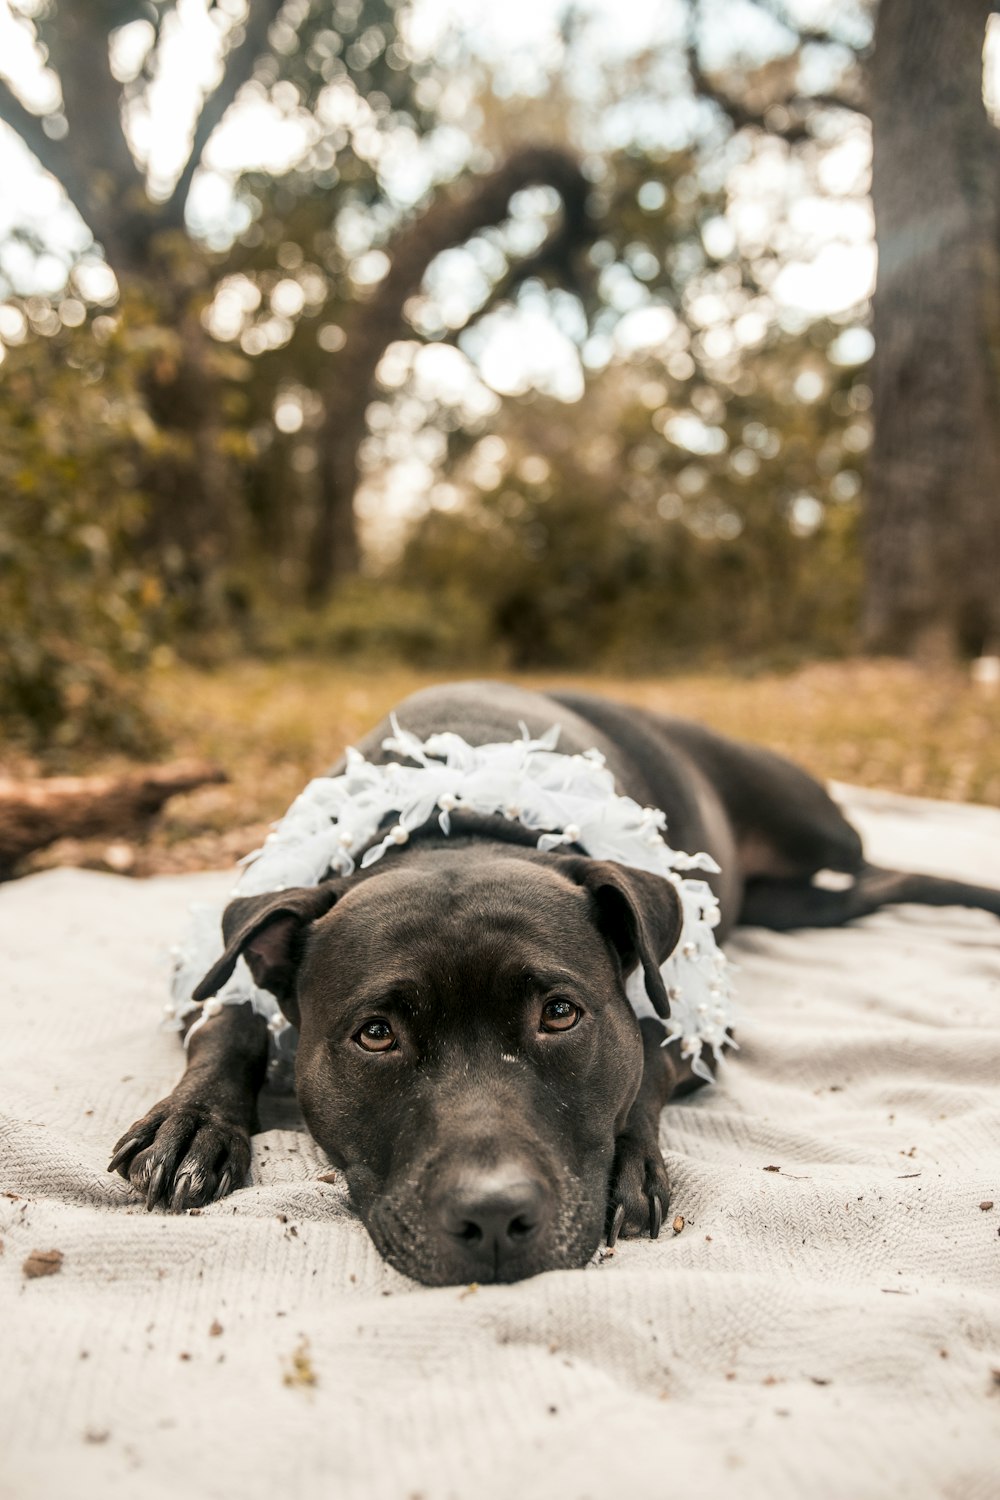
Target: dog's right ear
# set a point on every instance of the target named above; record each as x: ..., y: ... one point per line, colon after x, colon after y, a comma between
x: 267, y: 931
x: 639, y: 913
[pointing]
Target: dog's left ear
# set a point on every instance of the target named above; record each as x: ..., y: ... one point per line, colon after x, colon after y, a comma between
x: 267, y: 931
x: 639, y: 914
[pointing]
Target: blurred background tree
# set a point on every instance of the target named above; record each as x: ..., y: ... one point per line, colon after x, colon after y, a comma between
x: 933, y: 544
x: 933, y: 516
x: 536, y: 355
x: 344, y: 69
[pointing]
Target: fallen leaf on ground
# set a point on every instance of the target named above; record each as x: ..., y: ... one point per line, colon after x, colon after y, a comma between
x: 42, y: 1263
x: 300, y: 1371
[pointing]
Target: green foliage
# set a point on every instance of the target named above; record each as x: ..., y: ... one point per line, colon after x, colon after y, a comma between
x: 78, y: 612
x: 572, y: 581
x: 721, y: 522
x: 375, y: 622
x: 162, y: 470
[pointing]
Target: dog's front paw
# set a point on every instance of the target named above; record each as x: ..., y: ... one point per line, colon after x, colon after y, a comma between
x: 640, y: 1191
x: 182, y: 1155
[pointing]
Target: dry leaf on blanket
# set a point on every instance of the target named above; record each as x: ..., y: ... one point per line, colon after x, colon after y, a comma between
x: 300, y: 1371
x: 42, y: 1263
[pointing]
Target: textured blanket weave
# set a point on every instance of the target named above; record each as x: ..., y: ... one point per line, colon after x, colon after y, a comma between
x: 825, y: 1324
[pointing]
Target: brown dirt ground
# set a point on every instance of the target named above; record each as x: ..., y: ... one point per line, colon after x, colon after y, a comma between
x: 273, y: 725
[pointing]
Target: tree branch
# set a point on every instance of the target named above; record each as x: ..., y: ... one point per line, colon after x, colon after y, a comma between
x: 779, y: 12
x: 237, y: 70
x: 831, y: 99
x: 741, y: 115
x: 481, y: 202
x: 451, y: 219
x: 51, y: 154
x: 100, y: 174
x: 34, y: 814
x: 56, y: 157
x: 738, y: 113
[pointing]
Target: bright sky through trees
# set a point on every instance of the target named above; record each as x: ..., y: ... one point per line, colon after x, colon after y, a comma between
x: 830, y: 257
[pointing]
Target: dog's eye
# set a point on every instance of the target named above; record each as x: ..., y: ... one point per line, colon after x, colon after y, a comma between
x: 376, y: 1036
x: 560, y: 1015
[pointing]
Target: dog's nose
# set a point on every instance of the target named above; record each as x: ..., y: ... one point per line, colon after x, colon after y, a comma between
x: 494, y: 1213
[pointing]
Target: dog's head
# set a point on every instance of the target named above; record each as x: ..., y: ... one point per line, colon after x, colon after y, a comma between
x: 467, y: 1055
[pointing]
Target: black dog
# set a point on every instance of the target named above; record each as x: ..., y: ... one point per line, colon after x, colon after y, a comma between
x: 467, y: 1055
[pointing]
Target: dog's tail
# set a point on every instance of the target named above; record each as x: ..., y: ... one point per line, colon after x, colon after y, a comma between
x: 784, y: 905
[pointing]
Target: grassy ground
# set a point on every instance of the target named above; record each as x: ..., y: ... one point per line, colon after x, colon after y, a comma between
x: 274, y: 725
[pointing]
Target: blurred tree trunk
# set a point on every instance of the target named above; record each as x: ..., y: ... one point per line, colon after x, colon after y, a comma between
x: 452, y: 218
x: 158, y: 267
x: 933, y: 522
x: 188, y: 477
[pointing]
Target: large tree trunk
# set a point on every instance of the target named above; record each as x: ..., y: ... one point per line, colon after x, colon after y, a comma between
x: 450, y: 220
x: 933, y: 524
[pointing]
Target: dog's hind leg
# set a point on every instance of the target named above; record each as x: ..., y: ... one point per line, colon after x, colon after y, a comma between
x: 194, y: 1145
x: 784, y: 820
x: 788, y: 828
x: 787, y: 904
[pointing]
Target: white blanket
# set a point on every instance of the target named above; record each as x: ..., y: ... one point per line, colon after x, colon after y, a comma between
x: 826, y: 1324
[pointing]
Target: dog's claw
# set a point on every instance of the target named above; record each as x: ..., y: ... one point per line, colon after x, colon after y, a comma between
x: 182, y: 1154
x: 123, y: 1152
x: 182, y: 1189
x: 130, y: 1146
x: 155, y: 1185
x: 640, y: 1190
